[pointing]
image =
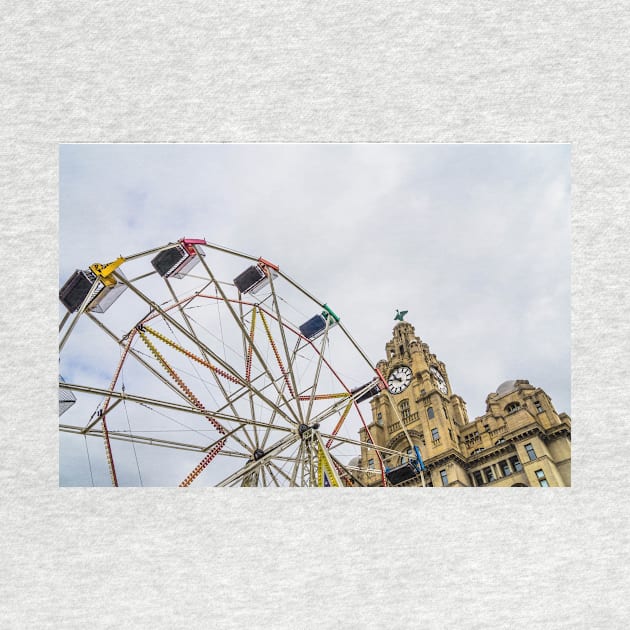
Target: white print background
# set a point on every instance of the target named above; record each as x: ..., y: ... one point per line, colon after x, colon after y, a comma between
x: 342, y: 72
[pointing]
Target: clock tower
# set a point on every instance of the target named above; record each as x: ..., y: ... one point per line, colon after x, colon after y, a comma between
x: 418, y: 409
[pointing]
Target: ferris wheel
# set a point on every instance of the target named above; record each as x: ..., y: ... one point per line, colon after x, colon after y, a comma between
x: 193, y: 363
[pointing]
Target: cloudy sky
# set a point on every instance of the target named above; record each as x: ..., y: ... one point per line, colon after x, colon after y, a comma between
x: 472, y: 240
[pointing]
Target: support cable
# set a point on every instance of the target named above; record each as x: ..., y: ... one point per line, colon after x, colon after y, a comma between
x: 87, y: 451
x: 133, y: 443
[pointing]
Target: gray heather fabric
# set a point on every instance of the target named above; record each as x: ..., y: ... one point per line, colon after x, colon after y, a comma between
x: 298, y: 72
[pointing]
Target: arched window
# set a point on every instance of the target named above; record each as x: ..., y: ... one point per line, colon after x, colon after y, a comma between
x: 513, y: 406
x: 430, y: 413
x: 404, y: 408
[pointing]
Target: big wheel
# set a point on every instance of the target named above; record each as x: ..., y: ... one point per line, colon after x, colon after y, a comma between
x: 192, y: 363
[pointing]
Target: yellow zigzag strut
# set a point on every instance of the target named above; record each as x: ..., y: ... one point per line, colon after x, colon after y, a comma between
x: 192, y: 356
x: 248, y: 367
x: 275, y: 351
x: 324, y: 396
x: 193, y: 399
x: 344, y: 415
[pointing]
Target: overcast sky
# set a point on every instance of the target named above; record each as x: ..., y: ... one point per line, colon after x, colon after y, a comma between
x: 472, y: 240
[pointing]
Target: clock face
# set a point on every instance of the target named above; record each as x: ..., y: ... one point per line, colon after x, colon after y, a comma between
x: 439, y: 380
x: 399, y: 379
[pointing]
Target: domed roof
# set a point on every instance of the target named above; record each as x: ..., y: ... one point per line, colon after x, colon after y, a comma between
x: 506, y: 388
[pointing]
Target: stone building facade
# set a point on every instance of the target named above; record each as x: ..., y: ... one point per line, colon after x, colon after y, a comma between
x: 521, y: 440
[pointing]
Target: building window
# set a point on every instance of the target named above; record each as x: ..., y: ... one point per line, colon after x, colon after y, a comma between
x: 370, y: 464
x: 450, y: 434
x: 513, y: 406
x: 529, y: 449
x: 435, y: 434
x: 542, y: 480
x: 499, y: 441
x: 430, y: 413
x: 379, y: 419
x: 538, y: 406
x: 516, y: 464
x: 478, y: 478
x: 401, y: 349
x: 486, y: 427
x: 505, y: 468
x: 404, y: 408
x: 444, y: 477
x: 489, y: 474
